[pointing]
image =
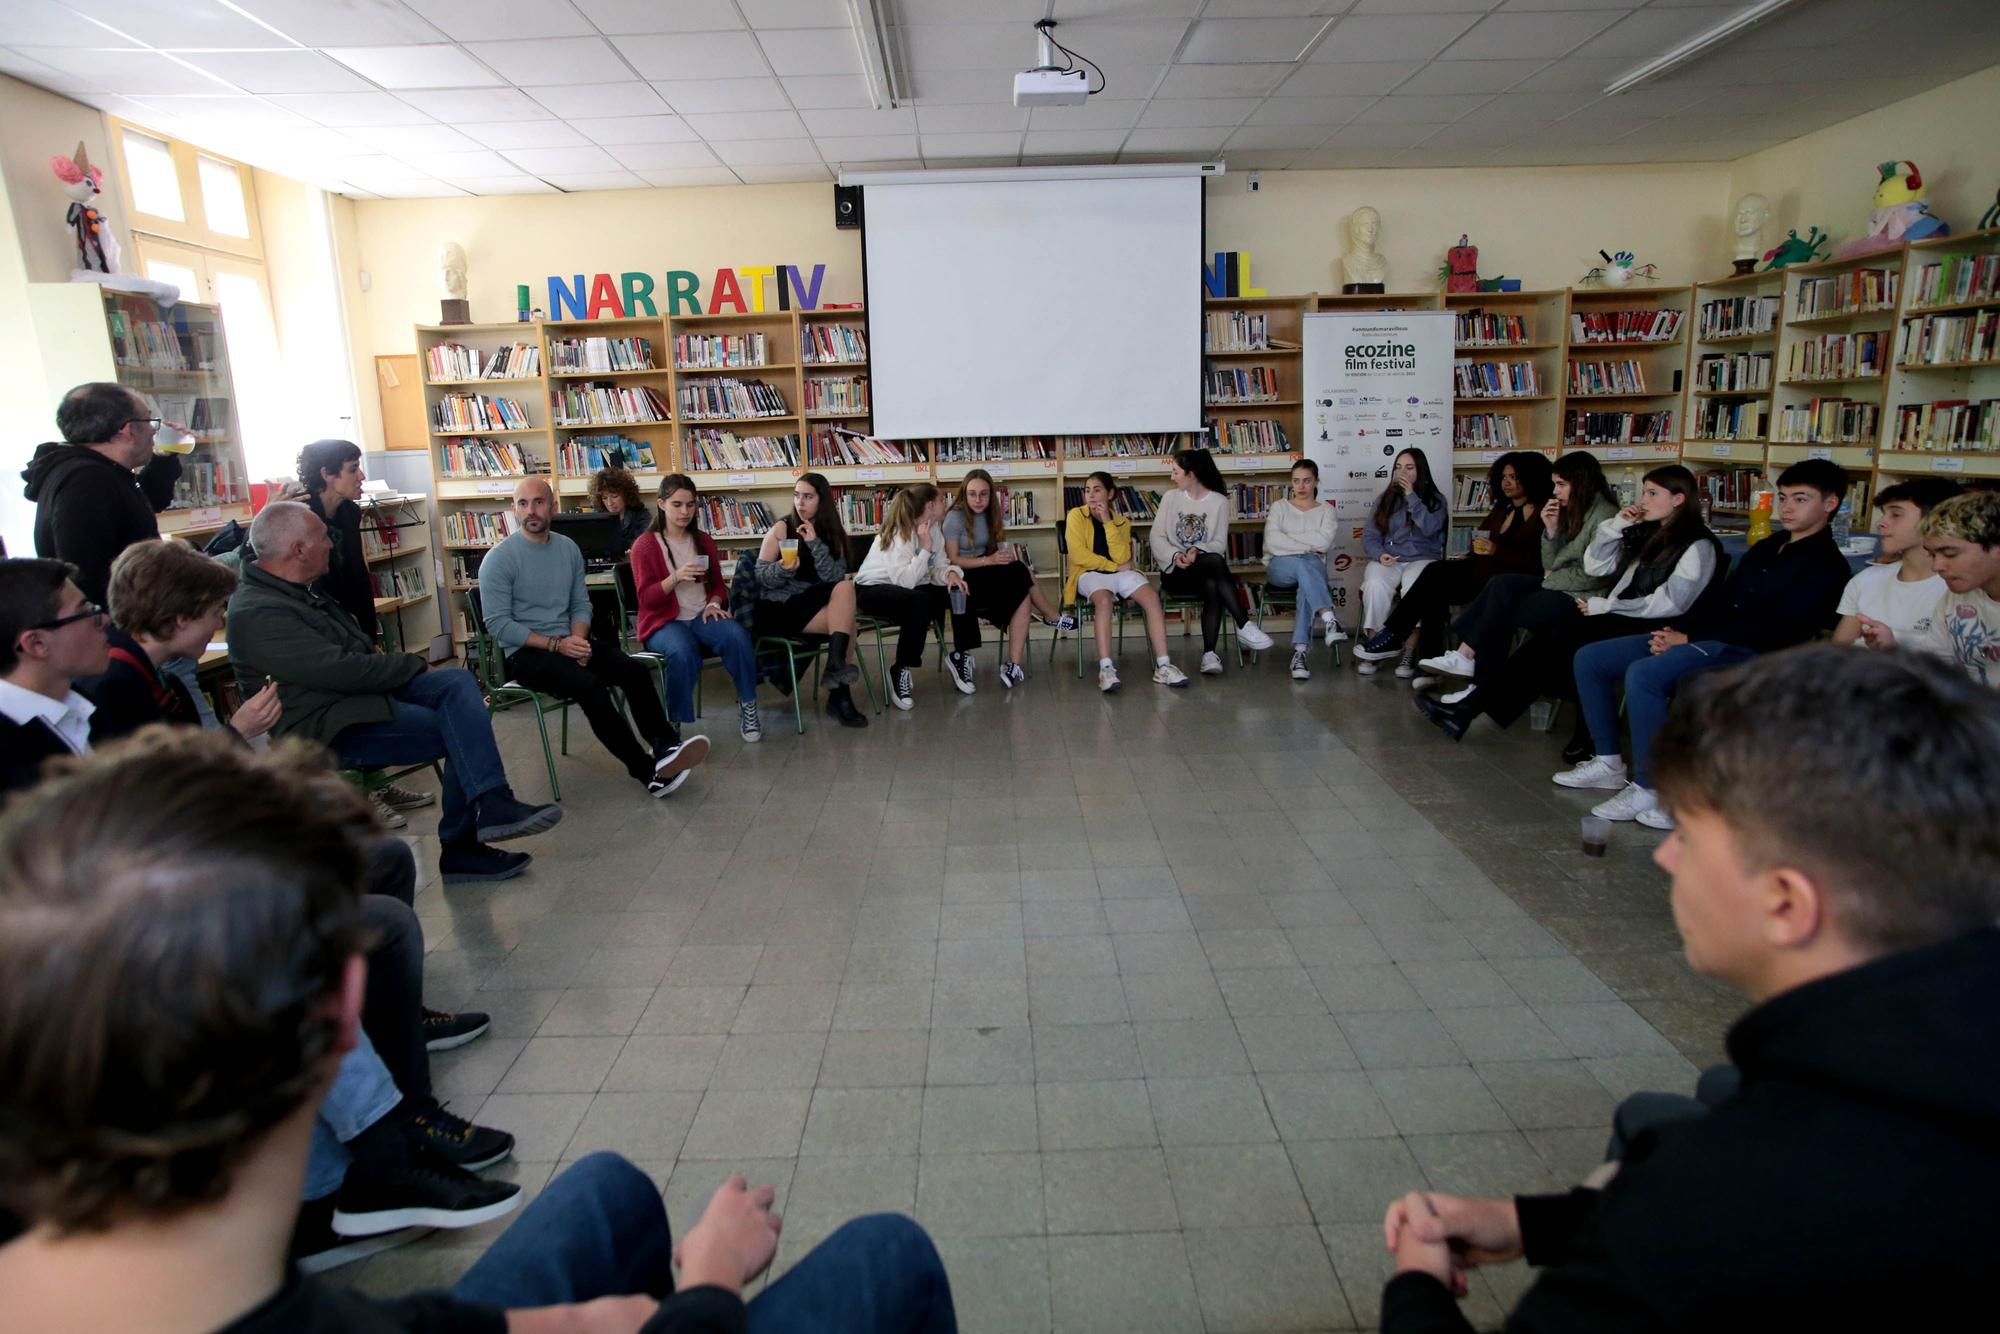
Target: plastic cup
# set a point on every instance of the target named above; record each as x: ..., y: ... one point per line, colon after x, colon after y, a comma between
x: 1542, y: 715
x: 701, y: 563
x: 788, y: 553
x: 957, y: 600
x: 1596, y: 835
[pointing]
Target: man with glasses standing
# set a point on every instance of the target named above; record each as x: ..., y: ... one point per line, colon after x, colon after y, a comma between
x: 98, y: 492
x: 50, y: 634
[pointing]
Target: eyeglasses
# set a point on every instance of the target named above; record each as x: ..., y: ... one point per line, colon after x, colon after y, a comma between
x: 91, y: 612
x: 153, y: 422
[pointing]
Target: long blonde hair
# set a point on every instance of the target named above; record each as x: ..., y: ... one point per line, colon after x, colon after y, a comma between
x: 905, y: 508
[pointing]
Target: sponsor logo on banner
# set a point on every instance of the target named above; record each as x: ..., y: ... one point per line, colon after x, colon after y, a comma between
x: 1342, y: 562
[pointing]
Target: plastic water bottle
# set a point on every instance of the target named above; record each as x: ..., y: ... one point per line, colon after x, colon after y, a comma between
x: 1842, y: 528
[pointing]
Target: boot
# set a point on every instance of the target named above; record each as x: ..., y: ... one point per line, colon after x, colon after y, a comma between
x: 839, y: 671
x: 840, y: 708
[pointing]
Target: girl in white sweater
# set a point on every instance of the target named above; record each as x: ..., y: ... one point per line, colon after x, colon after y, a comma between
x: 907, y: 581
x: 1298, y: 537
x: 1190, y: 542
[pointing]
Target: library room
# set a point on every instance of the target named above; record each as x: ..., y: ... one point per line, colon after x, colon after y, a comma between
x: 1278, y: 665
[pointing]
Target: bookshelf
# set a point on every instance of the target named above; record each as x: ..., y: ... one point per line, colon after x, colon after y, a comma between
x: 1839, y: 323
x: 1942, y: 398
x: 396, y: 542
x: 1732, y: 373
x: 610, y: 399
x: 177, y: 358
x: 1625, y: 363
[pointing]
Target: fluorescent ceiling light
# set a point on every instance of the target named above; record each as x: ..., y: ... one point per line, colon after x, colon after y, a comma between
x: 871, y: 38
x: 1698, y: 45
x: 1052, y: 172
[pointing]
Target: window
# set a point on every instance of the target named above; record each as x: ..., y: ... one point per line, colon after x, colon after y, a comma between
x: 177, y: 192
x: 149, y: 166
x: 222, y: 197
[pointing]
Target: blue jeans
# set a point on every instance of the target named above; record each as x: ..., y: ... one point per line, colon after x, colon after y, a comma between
x: 362, y: 1094
x: 1307, y: 573
x: 1649, y: 679
x: 439, y: 716
x: 683, y: 643
x: 600, y: 1229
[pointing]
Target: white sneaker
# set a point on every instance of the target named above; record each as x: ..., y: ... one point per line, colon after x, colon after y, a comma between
x: 1211, y: 664
x: 1366, y: 668
x: 1453, y: 663
x: 1627, y: 805
x: 1166, y: 674
x: 1656, y: 817
x: 1107, y: 678
x: 1334, y: 634
x: 1011, y: 674
x: 1301, y: 670
x: 1422, y: 682
x: 1457, y: 696
x: 1605, y: 771
x: 1251, y: 635
x: 1406, y: 668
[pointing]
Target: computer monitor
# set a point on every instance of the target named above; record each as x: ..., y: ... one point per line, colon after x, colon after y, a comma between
x: 595, y: 533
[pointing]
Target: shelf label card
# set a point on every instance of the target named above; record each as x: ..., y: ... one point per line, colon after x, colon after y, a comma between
x: 1720, y: 451
x: 1490, y: 455
x: 1000, y: 469
x: 1121, y: 466
x: 1619, y: 452
x: 500, y: 488
x: 741, y: 479
x: 1947, y: 465
x: 206, y: 514
x: 1820, y: 454
x: 870, y: 474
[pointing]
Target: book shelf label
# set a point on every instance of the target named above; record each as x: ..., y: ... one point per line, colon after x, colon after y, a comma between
x: 1619, y: 452
x: 1121, y: 467
x: 213, y: 514
x: 1720, y: 451
x: 500, y: 488
x: 870, y: 474
x: 1826, y: 454
x: 1489, y: 455
x: 1000, y: 469
x: 1947, y: 465
x: 741, y: 479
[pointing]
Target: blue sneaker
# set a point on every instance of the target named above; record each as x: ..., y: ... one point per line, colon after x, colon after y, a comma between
x: 1378, y: 646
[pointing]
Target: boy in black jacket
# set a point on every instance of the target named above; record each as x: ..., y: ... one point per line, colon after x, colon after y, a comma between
x: 89, y: 504
x: 1785, y: 590
x: 1833, y: 859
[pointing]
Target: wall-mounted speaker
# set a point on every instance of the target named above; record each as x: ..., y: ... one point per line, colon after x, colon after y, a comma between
x: 846, y: 206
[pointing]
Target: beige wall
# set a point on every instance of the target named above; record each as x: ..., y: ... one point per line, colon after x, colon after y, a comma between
x: 1828, y: 177
x: 34, y: 127
x: 306, y: 306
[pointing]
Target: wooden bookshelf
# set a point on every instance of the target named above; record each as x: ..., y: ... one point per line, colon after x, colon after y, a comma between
x: 1504, y: 329
x: 1929, y: 368
x: 1599, y: 361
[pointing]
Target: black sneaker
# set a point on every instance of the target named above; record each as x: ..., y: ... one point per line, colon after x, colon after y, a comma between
x: 316, y: 1247
x: 840, y: 708
x: 901, y: 688
x: 476, y: 861
x: 427, y: 1193
x: 1381, y: 645
x: 456, y: 1139
x: 444, y: 1031
x: 961, y: 672
x: 501, y: 817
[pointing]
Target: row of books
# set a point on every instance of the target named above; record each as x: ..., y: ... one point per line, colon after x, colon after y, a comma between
x: 1728, y: 419
x: 1937, y: 340
x: 1737, y: 370
x: 711, y: 450
x: 1625, y: 326
x: 829, y: 448
x: 1828, y: 421
x: 1490, y: 328
x: 1617, y: 428
x: 473, y: 457
x: 1496, y: 379
x: 1735, y: 316
x: 994, y: 448
x: 1470, y: 491
x: 1246, y: 547
x: 607, y: 405
x: 456, y: 361
x: 1953, y: 279
x: 1253, y: 500
x: 1120, y: 446
x: 1017, y: 508
x: 834, y: 342
x: 205, y: 481
x: 476, y: 528
x: 1130, y: 501
x: 581, y: 455
x: 205, y: 415
x: 153, y: 344
x: 400, y: 581
x: 830, y: 394
x: 379, y: 534
x: 1607, y: 377
x: 708, y: 400
x: 1484, y: 430
x: 861, y: 509
x: 1730, y: 488
x: 721, y: 351
x: 463, y: 569
x: 1236, y: 331
x: 570, y: 355
x: 477, y: 412
x: 1239, y: 384
x: 726, y: 516
x: 1948, y: 425
x: 1846, y: 293
x: 1836, y: 356
x: 1258, y: 435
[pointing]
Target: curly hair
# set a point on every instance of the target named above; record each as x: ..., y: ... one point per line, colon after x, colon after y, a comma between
x: 618, y: 482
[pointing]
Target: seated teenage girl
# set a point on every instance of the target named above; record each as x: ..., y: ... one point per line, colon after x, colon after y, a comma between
x: 1401, y: 538
x: 1190, y: 541
x: 803, y: 589
x: 999, y: 588
x: 684, y: 606
x: 906, y: 580
x: 1299, y: 533
x: 1099, y: 543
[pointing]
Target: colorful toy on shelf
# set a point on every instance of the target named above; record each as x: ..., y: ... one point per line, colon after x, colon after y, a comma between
x: 96, y: 247
x: 1900, y: 211
x: 1461, y: 266
x: 1795, y: 249
x: 1620, y: 269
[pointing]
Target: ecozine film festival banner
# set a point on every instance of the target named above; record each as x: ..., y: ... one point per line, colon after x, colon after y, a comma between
x: 1376, y: 383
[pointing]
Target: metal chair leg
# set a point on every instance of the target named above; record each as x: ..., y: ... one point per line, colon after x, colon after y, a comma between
x: 542, y: 725
x: 798, y: 707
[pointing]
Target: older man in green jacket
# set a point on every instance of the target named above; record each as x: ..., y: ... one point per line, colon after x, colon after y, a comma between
x: 372, y: 709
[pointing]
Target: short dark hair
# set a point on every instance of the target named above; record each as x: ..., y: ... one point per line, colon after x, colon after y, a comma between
x: 619, y: 482
x: 92, y: 413
x: 174, y: 910
x: 30, y: 594
x: 324, y: 455
x: 1872, y: 772
x: 156, y: 585
x: 1926, y: 493
x: 1822, y: 475
x: 1308, y: 464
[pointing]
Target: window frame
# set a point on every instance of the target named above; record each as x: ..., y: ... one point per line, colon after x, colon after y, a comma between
x: 195, y: 231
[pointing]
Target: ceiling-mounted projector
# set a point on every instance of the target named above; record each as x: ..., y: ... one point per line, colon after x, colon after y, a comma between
x: 1051, y: 88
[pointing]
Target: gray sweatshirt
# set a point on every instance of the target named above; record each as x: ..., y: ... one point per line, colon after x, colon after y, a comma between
x: 534, y: 587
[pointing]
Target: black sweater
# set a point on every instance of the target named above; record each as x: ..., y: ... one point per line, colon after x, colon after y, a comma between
x: 1780, y: 594
x: 346, y: 580
x: 88, y: 508
x: 1847, y: 1185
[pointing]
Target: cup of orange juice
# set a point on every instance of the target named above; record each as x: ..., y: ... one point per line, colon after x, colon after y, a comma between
x: 788, y: 553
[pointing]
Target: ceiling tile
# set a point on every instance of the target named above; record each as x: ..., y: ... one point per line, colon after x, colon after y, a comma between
x: 415, y: 66
x: 308, y: 145
x: 552, y: 60
x: 947, y: 87
x: 232, y: 113
x: 1471, y: 76
x: 1141, y: 42
x: 1229, y: 40
x: 1400, y: 110
x: 1648, y: 32
x: 1099, y: 113
x: 426, y: 138
x: 325, y: 23
x: 600, y: 99
x: 1731, y: 67
x: 1042, y: 143
x: 479, y: 162
x: 1507, y: 36
x: 689, y: 176
x: 957, y: 163
x: 506, y: 135
x: 1346, y: 80
x: 727, y: 55
x: 573, y: 160
x: 631, y: 16
x: 125, y: 71
x: 1010, y: 12
x: 1261, y: 159
x: 1658, y: 99
x: 1221, y: 80
x: 1478, y: 132
x: 1277, y: 136
x: 502, y: 185
x: 801, y: 51
x: 750, y: 125
x: 975, y: 119
x: 1431, y: 6
x: 764, y: 152
x: 1526, y: 108
x: 1562, y: 76
x: 476, y: 104
x: 826, y: 91
x: 968, y: 46
x: 1127, y: 9
x: 343, y: 109
x: 421, y: 188
x: 46, y: 23
x: 289, y: 70
x: 1190, y: 139
x: 1308, y: 110
x: 585, y: 181
x: 612, y: 130
x: 191, y: 24
x: 990, y: 144
x: 794, y: 13
x: 701, y: 96
x: 45, y: 76
x: 373, y: 168
x: 1376, y: 37
x: 901, y: 120
x: 1355, y: 135
x: 663, y: 157
x: 1516, y: 6
x: 866, y: 147
x: 1172, y: 112
x: 779, y: 174
x: 470, y: 20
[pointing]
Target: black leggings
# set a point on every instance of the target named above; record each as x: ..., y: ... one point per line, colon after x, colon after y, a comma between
x: 913, y: 611
x: 1209, y: 579
x: 1444, y: 584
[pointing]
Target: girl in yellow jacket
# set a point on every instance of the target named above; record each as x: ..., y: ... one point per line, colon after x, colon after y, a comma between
x: 1100, y: 568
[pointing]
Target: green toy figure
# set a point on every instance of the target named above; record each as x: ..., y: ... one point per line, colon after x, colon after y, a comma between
x: 1795, y: 250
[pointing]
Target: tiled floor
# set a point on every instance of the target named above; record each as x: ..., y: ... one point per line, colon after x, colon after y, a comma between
x: 1145, y: 1005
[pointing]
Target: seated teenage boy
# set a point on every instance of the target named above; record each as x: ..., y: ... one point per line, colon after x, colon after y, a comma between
x: 372, y: 708
x: 50, y: 635
x: 1963, y: 538
x: 1783, y: 592
x: 1902, y: 590
x: 1833, y: 859
x: 157, y: 1182
x: 534, y: 602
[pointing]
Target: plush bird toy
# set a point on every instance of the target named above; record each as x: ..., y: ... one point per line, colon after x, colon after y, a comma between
x: 96, y: 247
x: 1900, y: 211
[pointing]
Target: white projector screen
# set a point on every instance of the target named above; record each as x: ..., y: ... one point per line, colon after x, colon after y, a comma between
x: 1034, y: 307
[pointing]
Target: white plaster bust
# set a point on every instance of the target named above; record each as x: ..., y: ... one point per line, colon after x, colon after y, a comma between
x: 1752, y: 212
x: 451, y: 270
x: 1363, y: 263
